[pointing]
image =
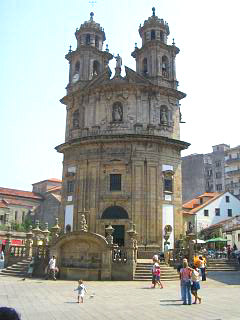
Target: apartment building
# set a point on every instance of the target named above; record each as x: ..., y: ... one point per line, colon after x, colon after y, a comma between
x: 204, y: 172
x: 232, y: 170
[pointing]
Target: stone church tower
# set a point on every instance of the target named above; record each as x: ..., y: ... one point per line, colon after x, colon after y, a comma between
x: 122, y: 146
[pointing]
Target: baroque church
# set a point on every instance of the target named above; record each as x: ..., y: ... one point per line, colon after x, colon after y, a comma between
x: 122, y: 149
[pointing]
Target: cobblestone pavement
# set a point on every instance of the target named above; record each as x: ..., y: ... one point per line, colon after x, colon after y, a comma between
x: 47, y: 300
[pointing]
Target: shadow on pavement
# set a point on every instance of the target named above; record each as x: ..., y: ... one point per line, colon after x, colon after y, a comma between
x: 171, y: 304
x: 227, y: 277
x: 170, y: 300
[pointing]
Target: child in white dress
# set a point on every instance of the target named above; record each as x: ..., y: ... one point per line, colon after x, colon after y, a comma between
x: 81, y: 291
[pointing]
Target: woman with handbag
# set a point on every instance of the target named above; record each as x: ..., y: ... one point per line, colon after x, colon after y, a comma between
x: 185, y: 276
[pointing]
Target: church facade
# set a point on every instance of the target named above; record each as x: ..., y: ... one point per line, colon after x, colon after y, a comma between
x: 122, y: 146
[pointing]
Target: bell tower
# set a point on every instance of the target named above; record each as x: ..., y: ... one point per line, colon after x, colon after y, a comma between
x: 155, y: 60
x: 88, y: 60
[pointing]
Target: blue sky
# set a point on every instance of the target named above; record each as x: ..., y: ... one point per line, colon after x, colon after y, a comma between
x: 35, y: 36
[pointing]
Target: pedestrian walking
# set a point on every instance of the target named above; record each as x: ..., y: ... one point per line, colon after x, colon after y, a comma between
x: 81, y: 289
x: 185, y: 276
x: 195, y: 284
x: 1, y: 260
x: 52, y: 269
x: 179, y: 267
x: 202, y: 265
x: 154, y: 270
x: 158, y: 276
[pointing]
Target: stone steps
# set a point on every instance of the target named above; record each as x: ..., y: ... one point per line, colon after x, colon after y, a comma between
x: 144, y: 272
x: 18, y: 269
x: 222, y: 265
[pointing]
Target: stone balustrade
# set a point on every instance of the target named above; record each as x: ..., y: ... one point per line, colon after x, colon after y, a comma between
x: 136, y: 129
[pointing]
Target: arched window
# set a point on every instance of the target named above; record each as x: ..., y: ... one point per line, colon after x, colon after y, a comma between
x: 115, y: 212
x: 165, y: 67
x: 76, y: 119
x: 96, y: 42
x: 153, y: 35
x: 164, y: 115
x: 145, y: 66
x: 77, y: 66
x: 96, y: 68
x: 87, y: 39
x: 117, y: 112
x: 161, y: 36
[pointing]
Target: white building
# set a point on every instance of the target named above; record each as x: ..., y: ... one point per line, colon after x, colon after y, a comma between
x: 211, y: 208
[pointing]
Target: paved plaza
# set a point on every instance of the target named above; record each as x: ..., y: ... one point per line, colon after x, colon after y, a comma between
x: 48, y: 300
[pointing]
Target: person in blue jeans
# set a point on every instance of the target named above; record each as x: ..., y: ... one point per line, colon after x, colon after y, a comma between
x: 185, y: 276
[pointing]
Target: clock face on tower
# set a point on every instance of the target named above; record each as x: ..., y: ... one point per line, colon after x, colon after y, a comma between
x: 75, y: 77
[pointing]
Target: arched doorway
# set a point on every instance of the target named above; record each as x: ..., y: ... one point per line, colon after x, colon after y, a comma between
x: 117, y: 216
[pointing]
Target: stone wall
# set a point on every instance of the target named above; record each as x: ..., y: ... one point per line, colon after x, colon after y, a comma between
x: 142, y: 196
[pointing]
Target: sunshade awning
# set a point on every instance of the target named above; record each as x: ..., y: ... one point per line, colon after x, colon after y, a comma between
x: 217, y: 240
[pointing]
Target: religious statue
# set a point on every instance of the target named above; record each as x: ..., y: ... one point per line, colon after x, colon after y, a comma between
x: 117, y: 112
x: 76, y: 119
x: 118, y: 61
x: 163, y: 116
x: 190, y: 227
x: 83, y: 223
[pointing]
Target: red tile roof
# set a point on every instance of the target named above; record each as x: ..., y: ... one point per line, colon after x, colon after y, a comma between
x: 51, y: 180
x: 54, y: 188
x: 213, y: 226
x: 18, y: 203
x: 194, y: 205
x: 20, y: 193
x: 3, y: 204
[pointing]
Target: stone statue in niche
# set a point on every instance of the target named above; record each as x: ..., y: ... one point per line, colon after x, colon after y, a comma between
x: 117, y: 112
x: 76, y: 119
x: 163, y: 116
x: 190, y: 227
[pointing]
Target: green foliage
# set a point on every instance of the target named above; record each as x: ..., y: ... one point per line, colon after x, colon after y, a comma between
x: 17, y: 227
x: 3, y: 227
x: 27, y: 223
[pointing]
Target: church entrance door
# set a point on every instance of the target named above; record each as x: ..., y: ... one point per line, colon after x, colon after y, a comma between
x: 118, y: 234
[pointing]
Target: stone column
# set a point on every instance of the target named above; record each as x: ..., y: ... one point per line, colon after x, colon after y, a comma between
x: 29, y: 242
x: 55, y: 232
x: 107, y: 255
x: 190, y: 238
x: 46, y: 233
x: 8, y: 245
x: 131, y: 250
x: 36, y: 237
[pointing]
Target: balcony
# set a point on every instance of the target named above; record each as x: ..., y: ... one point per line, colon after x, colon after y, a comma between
x: 232, y: 160
x: 233, y: 185
x: 232, y: 172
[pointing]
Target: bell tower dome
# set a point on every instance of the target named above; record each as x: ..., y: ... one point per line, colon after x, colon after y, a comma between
x: 155, y: 60
x: 88, y: 60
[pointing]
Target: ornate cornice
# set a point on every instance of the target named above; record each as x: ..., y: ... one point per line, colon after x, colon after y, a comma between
x: 69, y: 56
x: 121, y: 85
x: 110, y: 138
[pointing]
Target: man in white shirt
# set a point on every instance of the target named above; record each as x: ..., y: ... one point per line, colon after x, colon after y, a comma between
x: 52, y: 268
